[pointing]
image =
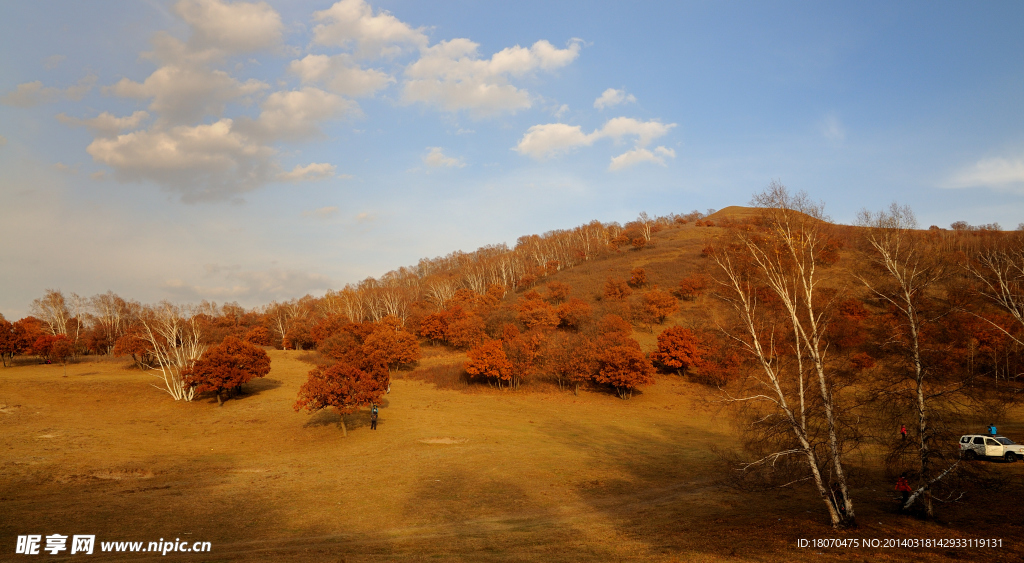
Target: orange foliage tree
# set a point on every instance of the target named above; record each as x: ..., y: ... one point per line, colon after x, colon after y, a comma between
x: 655, y: 305
x: 571, y: 358
x: 259, y: 336
x: 616, y: 289
x: 489, y: 362
x: 224, y: 368
x: 679, y: 349
x: 574, y: 314
x: 691, y: 287
x: 621, y: 362
x: 390, y: 349
x: 637, y: 278
x: 342, y: 386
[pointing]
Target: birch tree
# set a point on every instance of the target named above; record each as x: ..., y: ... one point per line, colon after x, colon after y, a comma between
x: 778, y: 264
x: 174, y: 335
x: 904, y: 272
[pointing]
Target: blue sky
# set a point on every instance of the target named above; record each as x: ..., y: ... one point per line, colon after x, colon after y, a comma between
x: 199, y: 149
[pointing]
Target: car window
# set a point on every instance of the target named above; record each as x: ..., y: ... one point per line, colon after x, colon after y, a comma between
x: 979, y: 440
x: 965, y: 439
x: 1005, y: 441
x: 991, y: 442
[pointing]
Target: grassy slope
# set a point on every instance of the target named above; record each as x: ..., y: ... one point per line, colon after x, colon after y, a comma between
x: 467, y: 474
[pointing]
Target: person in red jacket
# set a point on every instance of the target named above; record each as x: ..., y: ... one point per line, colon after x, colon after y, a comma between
x: 904, y: 487
x: 903, y: 431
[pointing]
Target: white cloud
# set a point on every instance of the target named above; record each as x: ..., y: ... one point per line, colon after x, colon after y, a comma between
x: 542, y: 141
x: 202, y: 163
x: 239, y: 27
x: 450, y: 75
x: 340, y: 75
x: 638, y: 155
x: 98, y: 175
x: 185, y: 90
x: 998, y: 173
x: 612, y: 97
x: 31, y: 94
x: 53, y: 61
x: 322, y: 213
x: 365, y: 217
x: 351, y: 22
x: 562, y: 110
x: 106, y: 124
x: 296, y: 114
x: 832, y: 129
x: 436, y: 158
x: 312, y: 171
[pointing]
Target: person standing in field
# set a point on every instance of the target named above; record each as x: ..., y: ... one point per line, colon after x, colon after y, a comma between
x: 992, y: 429
x: 373, y: 418
x: 903, y: 431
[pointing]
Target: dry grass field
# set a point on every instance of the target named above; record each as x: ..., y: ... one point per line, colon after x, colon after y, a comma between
x: 464, y: 474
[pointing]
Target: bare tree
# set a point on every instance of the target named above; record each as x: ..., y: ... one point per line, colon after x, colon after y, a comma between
x: 904, y: 271
x: 52, y: 308
x: 175, y: 337
x: 770, y: 277
x: 999, y: 269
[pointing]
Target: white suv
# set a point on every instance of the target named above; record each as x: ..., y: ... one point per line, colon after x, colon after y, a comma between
x: 973, y: 446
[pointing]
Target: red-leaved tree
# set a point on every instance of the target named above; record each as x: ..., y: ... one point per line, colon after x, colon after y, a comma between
x: 225, y: 367
x: 679, y: 349
x: 342, y: 386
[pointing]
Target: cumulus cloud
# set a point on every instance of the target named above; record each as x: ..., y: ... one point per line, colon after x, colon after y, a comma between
x: 186, y: 89
x: 543, y: 141
x: 997, y: 173
x: 436, y: 158
x: 239, y: 27
x: 106, y: 124
x: 612, y: 97
x: 312, y: 171
x: 352, y: 23
x: 638, y: 155
x: 297, y: 114
x: 203, y: 163
x: 451, y: 75
x: 322, y: 213
x: 340, y: 74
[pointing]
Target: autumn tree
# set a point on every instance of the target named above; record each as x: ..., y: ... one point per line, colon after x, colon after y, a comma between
x: 342, y: 386
x: 679, y: 349
x: 390, y: 348
x: 61, y: 350
x: 903, y: 275
x: 574, y: 314
x: 637, y: 278
x: 134, y: 343
x: 8, y: 342
x: 224, y: 368
x: 655, y: 306
x: 537, y: 314
x: 616, y: 289
x: 258, y: 335
x: 558, y: 291
x: 571, y: 358
x: 489, y: 362
x: 780, y: 261
x: 621, y: 362
x: 691, y: 287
